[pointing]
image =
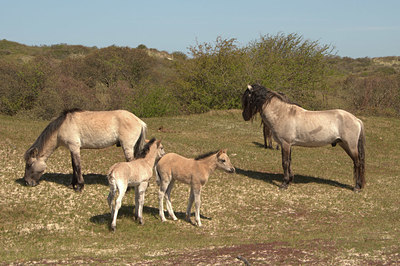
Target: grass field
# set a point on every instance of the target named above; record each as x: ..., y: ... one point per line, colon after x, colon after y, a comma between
x: 318, y: 220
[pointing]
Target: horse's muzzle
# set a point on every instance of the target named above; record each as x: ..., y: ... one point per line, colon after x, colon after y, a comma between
x: 31, y: 183
x: 232, y: 170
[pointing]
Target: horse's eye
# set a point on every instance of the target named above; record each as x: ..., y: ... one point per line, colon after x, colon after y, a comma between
x: 223, y: 160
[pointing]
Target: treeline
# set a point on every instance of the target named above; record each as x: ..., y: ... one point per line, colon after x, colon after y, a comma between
x: 43, y: 81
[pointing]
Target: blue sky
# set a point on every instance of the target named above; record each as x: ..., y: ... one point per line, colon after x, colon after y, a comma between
x: 355, y: 28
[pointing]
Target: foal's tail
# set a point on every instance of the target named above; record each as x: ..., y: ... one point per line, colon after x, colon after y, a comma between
x: 158, y: 177
x: 112, y: 181
x: 361, y: 156
x: 141, y: 140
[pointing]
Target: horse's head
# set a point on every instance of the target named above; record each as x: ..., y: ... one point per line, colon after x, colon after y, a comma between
x: 34, y: 167
x: 247, y: 104
x: 160, y: 149
x: 224, y: 162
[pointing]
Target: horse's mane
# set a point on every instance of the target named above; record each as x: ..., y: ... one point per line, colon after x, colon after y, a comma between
x: 146, y: 149
x: 205, y: 155
x: 48, y: 131
x: 259, y: 96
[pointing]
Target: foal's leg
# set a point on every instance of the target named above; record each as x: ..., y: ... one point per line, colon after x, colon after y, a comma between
x: 142, y: 190
x: 161, y: 194
x: 77, y: 178
x: 118, y: 202
x: 197, y: 203
x: 286, y: 149
x: 168, y: 200
x: 190, y: 203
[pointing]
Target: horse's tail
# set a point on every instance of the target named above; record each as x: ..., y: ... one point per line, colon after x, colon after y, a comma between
x: 158, y: 177
x: 112, y: 181
x: 141, y: 140
x: 361, y: 156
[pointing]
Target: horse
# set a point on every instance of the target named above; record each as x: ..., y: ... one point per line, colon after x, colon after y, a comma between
x: 193, y: 172
x: 292, y: 125
x: 267, y: 133
x: 136, y: 174
x: 77, y: 129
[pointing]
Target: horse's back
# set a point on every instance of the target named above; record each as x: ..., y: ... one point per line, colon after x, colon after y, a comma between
x: 100, y: 129
x: 176, y: 166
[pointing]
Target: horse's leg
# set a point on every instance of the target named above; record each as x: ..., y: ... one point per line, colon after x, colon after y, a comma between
x: 291, y: 175
x: 285, y: 147
x: 168, y: 200
x: 197, y: 203
x: 110, y: 200
x: 136, y: 212
x: 128, y: 152
x: 118, y: 202
x: 190, y: 203
x: 142, y: 191
x: 353, y: 154
x: 161, y: 194
x: 265, y: 135
x: 77, y: 178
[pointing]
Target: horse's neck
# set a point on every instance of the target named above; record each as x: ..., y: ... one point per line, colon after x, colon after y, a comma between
x: 209, y: 163
x: 48, y: 147
x: 273, y: 112
x: 150, y: 159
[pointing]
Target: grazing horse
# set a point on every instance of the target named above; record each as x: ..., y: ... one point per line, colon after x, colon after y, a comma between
x: 136, y: 174
x: 292, y: 125
x: 193, y: 172
x: 77, y: 129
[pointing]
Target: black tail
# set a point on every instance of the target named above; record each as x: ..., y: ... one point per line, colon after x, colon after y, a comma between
x: 361, y: 157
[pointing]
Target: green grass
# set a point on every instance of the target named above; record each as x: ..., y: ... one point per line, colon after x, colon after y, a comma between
x: 317, y: 220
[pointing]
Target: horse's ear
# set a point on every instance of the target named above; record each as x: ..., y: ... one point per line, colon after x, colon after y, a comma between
x: 221, y: 152
x: 249, y: 87
x: 33, y: 153
x: 158, y: 143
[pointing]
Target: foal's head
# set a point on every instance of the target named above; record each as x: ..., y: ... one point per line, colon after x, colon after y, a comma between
x: 152, y: 144
x: 224, y: 162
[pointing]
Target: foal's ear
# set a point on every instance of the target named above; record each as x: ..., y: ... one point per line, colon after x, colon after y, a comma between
x: 221, y: 152
x: 158, y: 143
x: 249, y: 87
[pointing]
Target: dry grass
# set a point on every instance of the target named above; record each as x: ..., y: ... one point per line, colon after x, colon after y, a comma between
x: 317, y: 220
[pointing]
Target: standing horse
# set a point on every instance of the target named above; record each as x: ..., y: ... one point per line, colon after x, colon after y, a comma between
x: 135, y: 173
x: 292, y: 125
x: 77, y: 129
x: 193, y: 172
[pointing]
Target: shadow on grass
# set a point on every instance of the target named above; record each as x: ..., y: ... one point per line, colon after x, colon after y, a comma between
x: 128, y: 211
x: 276, y: 179
x: 65, y: 179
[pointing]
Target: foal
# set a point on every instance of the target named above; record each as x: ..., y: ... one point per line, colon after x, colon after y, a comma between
x: 194, y: 172
x: 135, y: 173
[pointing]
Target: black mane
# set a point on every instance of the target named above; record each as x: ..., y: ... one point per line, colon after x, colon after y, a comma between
x: 146, y: 149
x: 48, y: 131
x: 253, y: 100
x: 205, y: 155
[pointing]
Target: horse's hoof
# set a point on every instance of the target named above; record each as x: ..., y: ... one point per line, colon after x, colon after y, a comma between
x: 356, y: 190
x: 141, y: 222
x: 283, y: 186
x: 79, y: 187
x: 113, y: 228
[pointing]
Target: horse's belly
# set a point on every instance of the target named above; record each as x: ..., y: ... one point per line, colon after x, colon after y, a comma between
x: 97, y: 143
